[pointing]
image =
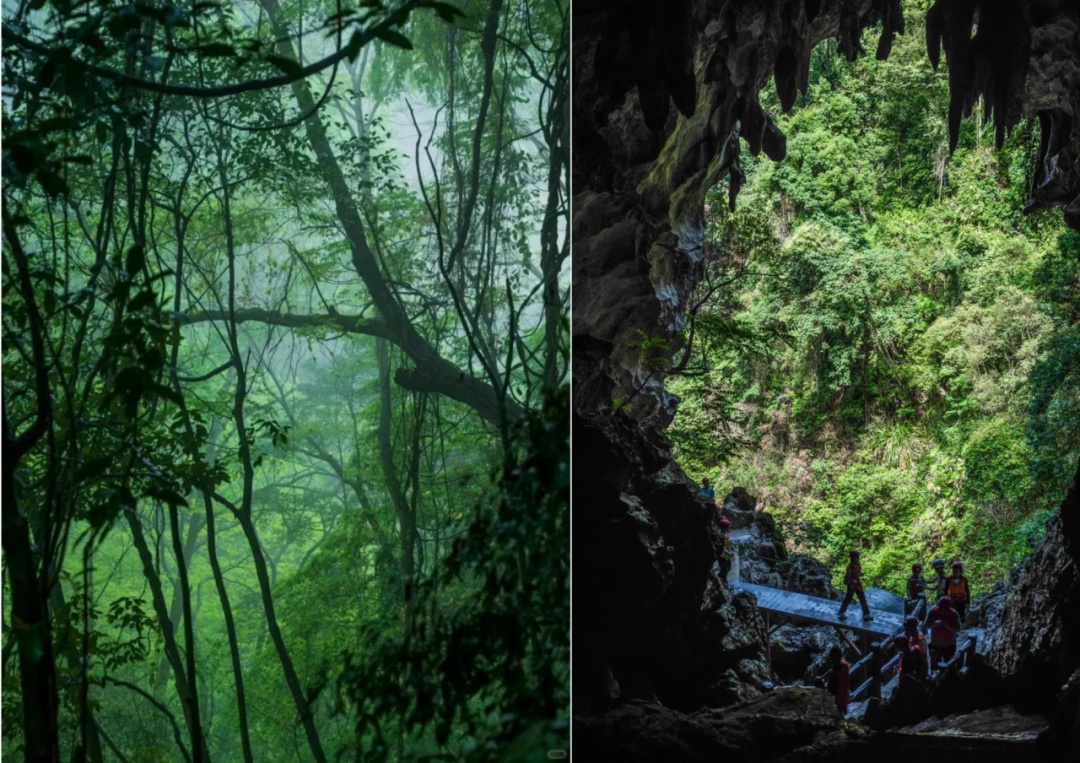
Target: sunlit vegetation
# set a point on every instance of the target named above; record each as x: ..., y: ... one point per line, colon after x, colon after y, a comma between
x: 886, y: 347
x: 285, y: 395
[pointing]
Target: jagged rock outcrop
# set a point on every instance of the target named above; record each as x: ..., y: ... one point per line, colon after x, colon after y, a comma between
x: 1036, y: 646
x: 808, y: 575
x: 796, y: 647
x: 740, y: 507
x: 985, y: 611
x: 1023, y: 58
x: 784, y: 725
x: 659, y: 89
x: 649, y: 620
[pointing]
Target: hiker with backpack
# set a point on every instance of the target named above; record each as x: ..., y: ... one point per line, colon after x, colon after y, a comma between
x: 838, y: 680
x: 958, y: 591
x: 853, y: 584
x: 916, y: 592
x: 943, y: 623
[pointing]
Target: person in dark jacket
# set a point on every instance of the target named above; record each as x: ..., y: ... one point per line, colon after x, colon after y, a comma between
x: 940, y: 581
x: 916, y: 592
x: 853, y: 584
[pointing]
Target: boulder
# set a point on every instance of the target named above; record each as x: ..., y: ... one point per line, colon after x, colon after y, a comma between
x: 808, y: 575
x: 759, y: 572
x: 985, y: 610
x: 795, y: 647
x: 740, y: 507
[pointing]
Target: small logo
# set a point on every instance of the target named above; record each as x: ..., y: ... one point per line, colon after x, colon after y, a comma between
x: 557, y: 754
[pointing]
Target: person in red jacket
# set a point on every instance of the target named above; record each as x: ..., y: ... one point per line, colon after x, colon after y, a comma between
x: 944, y: 624
x: 914, y: 661
x: 853, y: 583
x: 838, y: 679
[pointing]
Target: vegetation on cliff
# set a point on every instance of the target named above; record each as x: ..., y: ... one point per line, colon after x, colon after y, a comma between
x: 884, y: 348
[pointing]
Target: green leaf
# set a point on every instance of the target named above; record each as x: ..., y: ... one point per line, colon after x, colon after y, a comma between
x: 166, y: 495
x: 143, y: 151
x: 93, y: 468
x: 144, y: 298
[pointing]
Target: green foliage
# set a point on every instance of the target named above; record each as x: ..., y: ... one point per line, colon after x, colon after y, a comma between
x: 495, y: 660
x: 279, y: 283
x: 913, y: 390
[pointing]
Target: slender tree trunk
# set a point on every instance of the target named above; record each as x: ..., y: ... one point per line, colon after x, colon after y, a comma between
x: 406, y: 518
x: 188, y: 698
x: 176, y: 608
x: 243, y: 514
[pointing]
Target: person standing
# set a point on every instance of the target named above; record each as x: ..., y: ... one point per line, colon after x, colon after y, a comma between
x: 707, y: 490
x: 838, y: 679
x: 917, y: 646
x: 958, y: 591
x: 943, y: 623
x: 941, y: 581
x: 916, y: 592
x: 853, y: 584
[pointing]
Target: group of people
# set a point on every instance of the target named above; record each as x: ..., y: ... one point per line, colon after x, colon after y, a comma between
x: 942, y: 623
x: 954, y: 587
x: 952, y: 594
x: 952, y: 591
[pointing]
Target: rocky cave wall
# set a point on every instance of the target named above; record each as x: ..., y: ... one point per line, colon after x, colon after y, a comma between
x: 663, y: 93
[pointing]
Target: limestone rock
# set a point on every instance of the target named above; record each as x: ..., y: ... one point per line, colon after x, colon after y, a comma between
x: 796, y: 647
x: 1036, y: 646
x: 985, y: 610
x: 740, y: 507
x: 808, y: 575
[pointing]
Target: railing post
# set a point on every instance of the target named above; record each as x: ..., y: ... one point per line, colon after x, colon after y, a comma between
x: 875, y: 669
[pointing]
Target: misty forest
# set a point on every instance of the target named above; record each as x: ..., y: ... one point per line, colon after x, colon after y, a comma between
x: 285, y: 396
x: 883, y: 347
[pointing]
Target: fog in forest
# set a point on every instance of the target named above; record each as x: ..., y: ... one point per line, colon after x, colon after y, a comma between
x: 285, y: 389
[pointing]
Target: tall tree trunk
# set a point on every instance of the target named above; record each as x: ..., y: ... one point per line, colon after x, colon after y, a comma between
x: 176, y: 608
x: 406, y: 517
x: 185, y: 690
x: 31, y: 628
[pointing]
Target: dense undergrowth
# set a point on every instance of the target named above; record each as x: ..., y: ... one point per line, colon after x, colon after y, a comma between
x: 885, y: 349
